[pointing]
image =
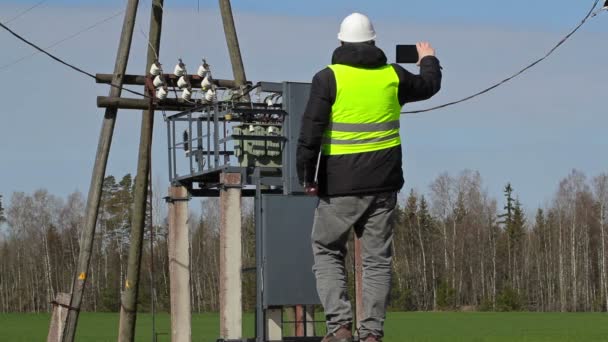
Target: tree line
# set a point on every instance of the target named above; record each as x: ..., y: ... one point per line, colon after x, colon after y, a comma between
x: 455, y: 248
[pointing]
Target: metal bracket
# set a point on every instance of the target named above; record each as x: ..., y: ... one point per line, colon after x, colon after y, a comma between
x: 54, y: 302
x: 230, y: 186
x: 169, y: 199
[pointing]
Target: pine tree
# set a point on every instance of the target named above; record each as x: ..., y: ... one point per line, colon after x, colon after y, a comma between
x: 509, y: 207
x: 516, y: 236
x: 542, y: 258
x: 2, y: 217
x: 507, y: 223
x: 518, y: 224
x: 427, y: 235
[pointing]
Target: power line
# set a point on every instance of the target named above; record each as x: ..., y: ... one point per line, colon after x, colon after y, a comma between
x: 22, y: 13
x: 57, y: 59
x: 72, y: 36
x: 589, y: 15
x: 149, y: 42
x: 141, y: 30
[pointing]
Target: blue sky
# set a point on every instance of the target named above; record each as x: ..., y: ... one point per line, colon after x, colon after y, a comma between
x: 530, y: 132
x: 514, y: 12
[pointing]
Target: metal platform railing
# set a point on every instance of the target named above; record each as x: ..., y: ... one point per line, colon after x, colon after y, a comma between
x: 223, y: 135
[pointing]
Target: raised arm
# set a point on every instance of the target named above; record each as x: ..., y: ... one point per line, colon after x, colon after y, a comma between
x: 420, y: 87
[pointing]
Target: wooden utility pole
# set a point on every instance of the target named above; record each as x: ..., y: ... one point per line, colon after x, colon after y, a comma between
x: 179, y: 265
x: 99, y: 170
x: 128, y: 309
x: 233, y: 45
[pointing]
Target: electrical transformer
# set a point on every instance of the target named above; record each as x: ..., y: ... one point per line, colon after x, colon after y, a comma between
x: 252, y: 149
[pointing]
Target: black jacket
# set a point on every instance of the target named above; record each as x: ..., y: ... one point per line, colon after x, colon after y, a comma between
x: 360, y: 173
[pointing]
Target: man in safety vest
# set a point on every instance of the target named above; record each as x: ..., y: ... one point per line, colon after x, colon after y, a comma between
x: 349, y: 153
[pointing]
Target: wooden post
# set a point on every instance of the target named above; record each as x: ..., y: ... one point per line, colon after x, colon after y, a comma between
x: 58, y: 317
x: 230, y: 257
x: 128, y: 309
x: 358, y: 283
x: 99, y: 170
x: 300, y: 319
x: 233, y: 45
x: 179, y: 265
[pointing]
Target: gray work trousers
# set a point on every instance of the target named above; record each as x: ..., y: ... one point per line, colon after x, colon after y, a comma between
x: 372, y: 219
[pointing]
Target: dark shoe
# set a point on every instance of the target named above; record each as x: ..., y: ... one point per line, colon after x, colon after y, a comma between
x: 341, y: 335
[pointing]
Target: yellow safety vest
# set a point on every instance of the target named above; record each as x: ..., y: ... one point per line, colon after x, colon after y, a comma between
x: 365, y: 114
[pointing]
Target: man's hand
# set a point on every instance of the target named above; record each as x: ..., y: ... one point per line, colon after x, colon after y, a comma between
x: 424, y: 49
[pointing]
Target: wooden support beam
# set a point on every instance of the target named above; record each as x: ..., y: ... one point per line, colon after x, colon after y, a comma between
x: 99, y: 170
x: 128, y: 309
x: 300, y: 320
x: 142, y: 104
x: 171, y: 80
x: 170, y: 105
x: 233, y: 46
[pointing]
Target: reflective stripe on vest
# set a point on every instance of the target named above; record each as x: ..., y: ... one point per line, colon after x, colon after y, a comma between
x: 365, y: 114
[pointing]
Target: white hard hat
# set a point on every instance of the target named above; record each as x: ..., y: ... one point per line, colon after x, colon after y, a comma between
x: 356, y: 28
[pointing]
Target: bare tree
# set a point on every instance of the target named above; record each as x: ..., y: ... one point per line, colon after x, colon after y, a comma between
x: 2, y: 217
x: 442, y: 204
x: 448, y: 252
x: 600, y: 187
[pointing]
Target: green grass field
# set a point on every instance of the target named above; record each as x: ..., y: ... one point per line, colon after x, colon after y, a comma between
x: 400, y: 327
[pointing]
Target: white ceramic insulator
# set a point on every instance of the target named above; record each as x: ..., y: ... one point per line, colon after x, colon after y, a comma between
x: 180, y: 70
x: 158, y: 81
x: 202, y: 71
x: 182, y: 82
x: 271, y: 129
x: 187, y: 94
x: 155, y: 69
x: 161, y: 93
x: 210, y: 95
x: 206, y: 83
x: 251, y: 128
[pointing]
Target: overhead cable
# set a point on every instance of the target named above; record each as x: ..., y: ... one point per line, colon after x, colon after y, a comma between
x: 72, y: 36
x: 22, y: 13
x: 57, y: 59
x: 589, y: 15
x: 141, y: 30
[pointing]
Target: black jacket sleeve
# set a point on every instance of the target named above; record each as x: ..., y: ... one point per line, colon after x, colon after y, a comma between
x: 419, y: 87
x: 314, y: 122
